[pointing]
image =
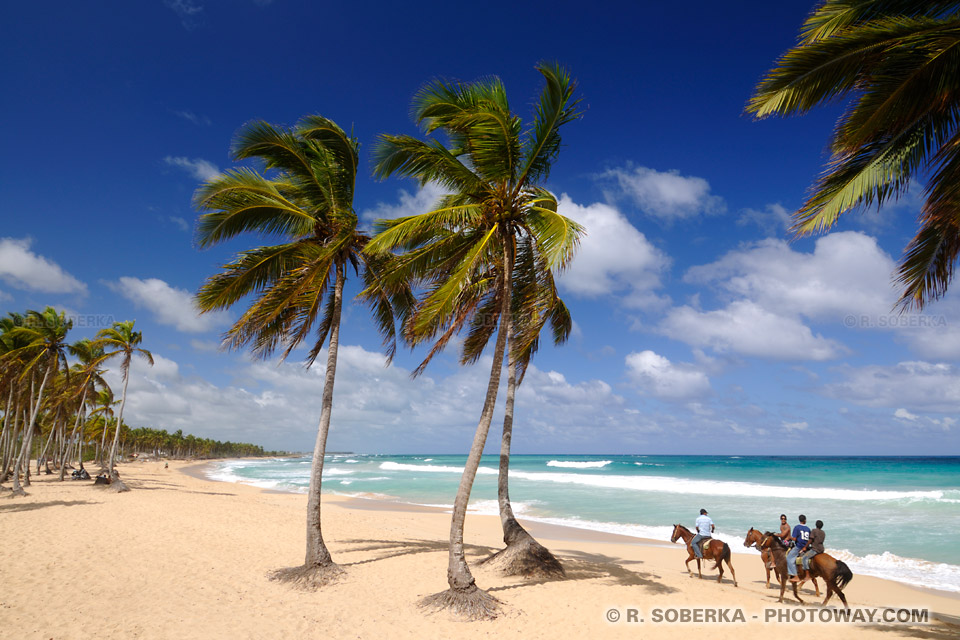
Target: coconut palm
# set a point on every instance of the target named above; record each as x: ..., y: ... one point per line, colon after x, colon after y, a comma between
x: 463, y: 251
x: 296, y: 285
x: 89, y: 378
x: 121, y: 340
x: 42, y: 347
x: 899, y: 64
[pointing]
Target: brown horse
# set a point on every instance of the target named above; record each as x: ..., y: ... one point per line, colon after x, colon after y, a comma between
x: 835, y: 573
x: 753, y: 539
x: 716, y: 550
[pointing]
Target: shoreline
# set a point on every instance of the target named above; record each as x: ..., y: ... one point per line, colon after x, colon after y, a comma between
x: 539, y: 530
x: 190, y: 557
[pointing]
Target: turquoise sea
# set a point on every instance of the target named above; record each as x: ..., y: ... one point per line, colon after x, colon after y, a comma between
x: 890, y: 517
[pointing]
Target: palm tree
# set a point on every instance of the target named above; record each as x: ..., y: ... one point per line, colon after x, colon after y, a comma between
x: 308, y: 202
x: 121, y: 340
x: 463, y: 252
x: 899, y: 62
x: 89, y: 377
x: 43, y: 346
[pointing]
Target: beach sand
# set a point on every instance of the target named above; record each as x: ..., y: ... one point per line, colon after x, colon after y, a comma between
x: 184, y: 557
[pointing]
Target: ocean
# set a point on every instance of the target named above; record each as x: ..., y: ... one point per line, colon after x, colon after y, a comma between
x: 890, y: 517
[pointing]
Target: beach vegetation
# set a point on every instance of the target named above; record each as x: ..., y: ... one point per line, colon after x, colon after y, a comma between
x: 462, y: 255
x: 898, y: 64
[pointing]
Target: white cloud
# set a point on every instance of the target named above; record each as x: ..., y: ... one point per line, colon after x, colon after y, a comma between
x: 169, y: 305
x: 23, y: 269
x: 425, y: 199
x: 665, y: 195
x: 198, y: 167
x: 182, y: 224
x: 614, y: 257
x: 746, y: 328
x: 795, y: 426
x: 190, y: 116
x: 918, y: 387
x: 773, y: 219
x: 903, y: 414
x: 657, y: 376
x: 189, y: 12
x: 847, y: 273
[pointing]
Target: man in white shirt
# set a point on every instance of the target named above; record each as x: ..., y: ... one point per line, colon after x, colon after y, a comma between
x: 705, y: 529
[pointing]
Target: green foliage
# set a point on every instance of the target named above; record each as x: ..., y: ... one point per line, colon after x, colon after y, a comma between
x: 898, y: 63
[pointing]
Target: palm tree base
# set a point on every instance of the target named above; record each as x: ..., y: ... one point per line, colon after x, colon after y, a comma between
x: 471, y: 603
x: 309, y: 577
x: 527, y: 558
x: 17, y: 492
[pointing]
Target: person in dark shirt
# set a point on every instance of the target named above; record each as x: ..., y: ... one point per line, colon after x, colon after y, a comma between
x: 801, y: 535
x: 815, y: 545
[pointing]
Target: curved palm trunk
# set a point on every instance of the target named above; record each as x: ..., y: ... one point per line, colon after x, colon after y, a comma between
x: 73, y: 434
x: 23, y: 460
x: 318, y: 566
x: 115, y: 482
x: 463, y: 596
x: 5, y: 441
x: 523, y: 555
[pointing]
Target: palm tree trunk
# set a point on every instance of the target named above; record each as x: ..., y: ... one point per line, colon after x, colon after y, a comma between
x: 23, y: 460
x: 5, y: 442
x: 11, y: 447
x: 464, y: 597
x: 73, y: 434
x: 318, y: 566
x: 523, y: 555
x: 115, y: 482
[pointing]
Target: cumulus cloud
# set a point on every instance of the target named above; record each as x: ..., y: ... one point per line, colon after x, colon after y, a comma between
x: 665, y: 195
x: 425, y: 199
x: 614, y: 256
x: 847, y: 273
x: 916, y: 387
x: 773, y: 219
x: 198, y: 167
x: 795, y: 426
x: 746, y: 328
x: 22, y: 268
x: 903, y: 414
x: 170, y: 306
x: 655, y: 375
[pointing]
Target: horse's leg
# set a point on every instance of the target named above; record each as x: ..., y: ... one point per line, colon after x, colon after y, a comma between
x: 843, y: 599
x: 795, y: 594
x: 815, y: 585
x: 783, y: 587
x: 699, y: 573
x: 732, y: 572
x: 829, y: 591
x: 765, y: 556
x: 689, y: 558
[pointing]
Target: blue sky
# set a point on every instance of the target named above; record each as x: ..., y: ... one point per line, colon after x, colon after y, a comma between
x: 700, y: 326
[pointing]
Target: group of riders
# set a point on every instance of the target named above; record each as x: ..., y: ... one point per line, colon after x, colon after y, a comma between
x: 800, y: 541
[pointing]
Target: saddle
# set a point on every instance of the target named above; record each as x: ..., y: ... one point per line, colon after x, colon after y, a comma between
x: 704, y: 544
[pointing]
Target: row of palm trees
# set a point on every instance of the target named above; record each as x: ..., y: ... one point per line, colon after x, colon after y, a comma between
x: 68, y: 406
x: 481, y: 261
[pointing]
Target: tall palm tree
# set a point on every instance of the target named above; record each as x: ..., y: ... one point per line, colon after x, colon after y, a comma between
x: 89, y: 377
x: 463, y: 251
x: 121, y: 340
x: 298, y: 284
x: 899, y: 63
x: 43, y: 347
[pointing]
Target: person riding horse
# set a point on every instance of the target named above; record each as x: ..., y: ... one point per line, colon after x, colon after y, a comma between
x: 705, y: 528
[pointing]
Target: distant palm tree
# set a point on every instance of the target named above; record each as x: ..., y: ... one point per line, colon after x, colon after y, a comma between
x: 89, y: 378
x: 308, y: 203
x: 464, y: 250
x: 121, y: 340
x: 899, y: 61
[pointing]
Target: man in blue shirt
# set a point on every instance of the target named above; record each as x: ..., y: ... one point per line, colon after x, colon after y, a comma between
x: 801, y: 535
x: 705, y: 529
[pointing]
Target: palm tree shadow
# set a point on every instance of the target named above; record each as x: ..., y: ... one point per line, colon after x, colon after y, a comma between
x: 592, y: 566
x: 33, y: 506
x: 397, y: 548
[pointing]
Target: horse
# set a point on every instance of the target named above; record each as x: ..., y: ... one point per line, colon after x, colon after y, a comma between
x: 716, y: 550
x: 835, y: 573
x: 753, y: 539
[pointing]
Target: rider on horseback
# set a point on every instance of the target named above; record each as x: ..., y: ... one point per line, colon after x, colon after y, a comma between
x: 815, y: 545
x: 705, y: 529
x: 801, y: 535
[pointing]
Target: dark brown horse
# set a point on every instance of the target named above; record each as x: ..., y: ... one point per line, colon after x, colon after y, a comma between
x: 716, y: 550
x: 835, y: 573
x: 754, y: 536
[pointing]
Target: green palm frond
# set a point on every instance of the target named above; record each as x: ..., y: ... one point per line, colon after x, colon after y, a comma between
x: 835, y: 16
x: 427, y: 161
x: 556, y: 108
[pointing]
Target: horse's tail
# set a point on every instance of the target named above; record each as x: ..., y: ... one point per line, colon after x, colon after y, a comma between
x: 725, y: 556
x: 843, y: 576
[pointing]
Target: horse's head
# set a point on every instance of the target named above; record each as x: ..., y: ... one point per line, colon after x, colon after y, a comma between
x: 753, y: 537
x: 676, y: 533
x: 769, y: 541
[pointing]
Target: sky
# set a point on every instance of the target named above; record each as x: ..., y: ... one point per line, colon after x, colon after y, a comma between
x: 701, y: 325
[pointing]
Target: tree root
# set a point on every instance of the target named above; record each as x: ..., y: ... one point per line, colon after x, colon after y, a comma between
x: 527, y: 558
x: 472, y: 603
x: 309, y: 577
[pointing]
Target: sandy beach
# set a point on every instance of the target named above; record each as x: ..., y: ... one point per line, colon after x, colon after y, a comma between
x: 182, y: 556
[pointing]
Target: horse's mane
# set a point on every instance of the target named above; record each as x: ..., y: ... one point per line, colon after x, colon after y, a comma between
x: 776, y: 538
